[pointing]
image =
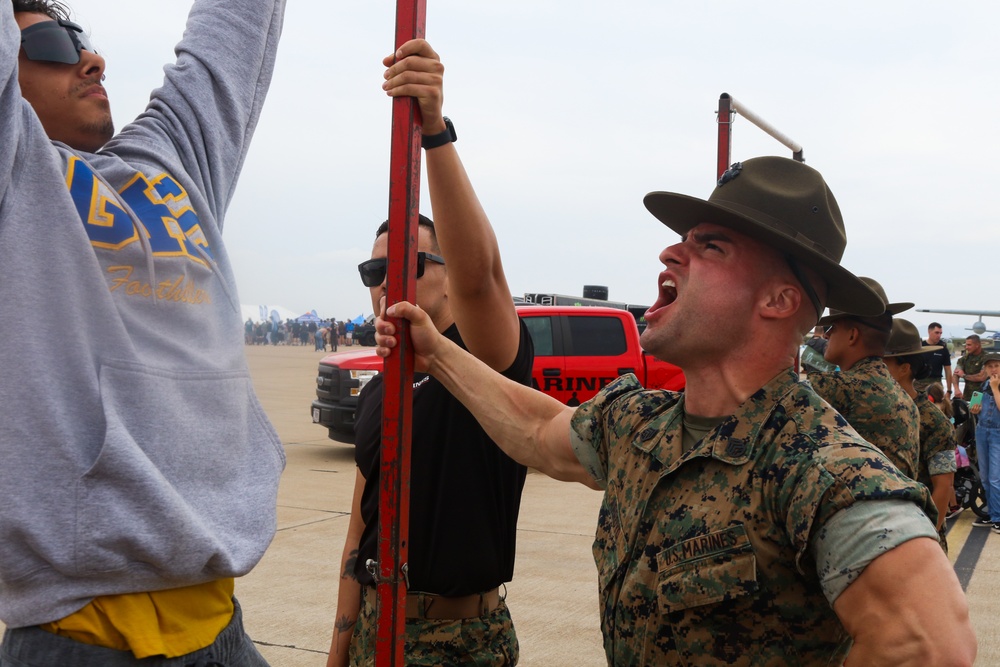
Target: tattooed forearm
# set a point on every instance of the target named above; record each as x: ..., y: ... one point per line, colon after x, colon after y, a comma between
x: 345, y: 623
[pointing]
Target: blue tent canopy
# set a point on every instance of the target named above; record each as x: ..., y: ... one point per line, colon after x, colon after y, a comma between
x: 311, y: 316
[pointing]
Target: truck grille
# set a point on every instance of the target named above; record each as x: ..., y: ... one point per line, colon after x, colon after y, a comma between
x: 328, y: 384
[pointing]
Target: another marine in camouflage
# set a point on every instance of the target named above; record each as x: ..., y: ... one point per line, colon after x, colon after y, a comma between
x: 704, y: 556
x: 937, y: 448
x: 971, y: 364
x: 877, y: 407
x: 488, y: 641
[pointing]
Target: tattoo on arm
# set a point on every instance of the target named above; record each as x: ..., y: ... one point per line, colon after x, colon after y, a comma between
x: 345, y: 623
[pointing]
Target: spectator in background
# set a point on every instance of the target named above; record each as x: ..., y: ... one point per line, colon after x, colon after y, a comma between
x: 988, y: 439
x: 969, y: 369
x: 935, y: 361
x: 936, y: 394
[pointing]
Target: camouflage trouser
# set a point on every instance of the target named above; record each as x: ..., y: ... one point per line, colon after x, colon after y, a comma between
x: 488, y: 641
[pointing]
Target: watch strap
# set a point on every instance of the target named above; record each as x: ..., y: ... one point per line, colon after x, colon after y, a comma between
x: 434, y: 140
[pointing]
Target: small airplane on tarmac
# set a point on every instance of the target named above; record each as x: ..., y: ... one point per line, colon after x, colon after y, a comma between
x: 978, y: 327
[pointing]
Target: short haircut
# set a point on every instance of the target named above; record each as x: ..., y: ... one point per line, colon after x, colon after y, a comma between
x: 916, y: 362
x: 54, y: 9
x: 874, y: 331
x: 422, y: 220
x: 933, y: 325
x: 974, y: 337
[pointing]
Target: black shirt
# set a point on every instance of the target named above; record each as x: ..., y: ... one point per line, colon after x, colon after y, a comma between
x: 464, y: 491
x: 934, y: 362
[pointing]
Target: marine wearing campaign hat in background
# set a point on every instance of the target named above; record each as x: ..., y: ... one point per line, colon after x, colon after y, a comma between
x: 904, y: 356
x: 744, y: 521
x: 863, y: 391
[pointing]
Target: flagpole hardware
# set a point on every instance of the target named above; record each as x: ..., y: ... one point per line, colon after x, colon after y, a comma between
x: 372, y: 566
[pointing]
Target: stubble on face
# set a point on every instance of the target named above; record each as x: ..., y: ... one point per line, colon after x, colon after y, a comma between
x: 58, y: 93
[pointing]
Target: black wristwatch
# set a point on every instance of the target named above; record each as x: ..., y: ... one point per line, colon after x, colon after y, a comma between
x: 434, y: 140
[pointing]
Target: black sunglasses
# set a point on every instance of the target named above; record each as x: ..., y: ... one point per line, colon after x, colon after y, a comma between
x: 55, y: 42
x: 373, y: 271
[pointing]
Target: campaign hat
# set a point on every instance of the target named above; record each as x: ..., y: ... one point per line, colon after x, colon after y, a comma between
x: 891, y: 308
x: 783, y: 204
x: 904, y: 340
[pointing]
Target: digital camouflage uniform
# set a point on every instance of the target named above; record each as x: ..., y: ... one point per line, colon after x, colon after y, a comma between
x: 704, y: 557
x: 487, y: 641
x: 971, y: 364
x: 937, y: 448
x: 877, y: 407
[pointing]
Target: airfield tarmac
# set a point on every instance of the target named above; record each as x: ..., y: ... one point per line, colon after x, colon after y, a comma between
x: 289, y: 600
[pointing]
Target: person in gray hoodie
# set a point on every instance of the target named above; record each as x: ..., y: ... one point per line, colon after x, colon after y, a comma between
x: 139, y: 473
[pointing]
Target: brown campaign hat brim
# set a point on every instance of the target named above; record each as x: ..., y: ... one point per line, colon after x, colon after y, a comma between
x: 908, y: 352
x: 904, y: 340
x: 834, y: 315
x: 845, y: 291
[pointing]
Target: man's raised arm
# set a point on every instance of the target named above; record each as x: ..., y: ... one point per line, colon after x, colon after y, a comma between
x: 478, y: 294
x: 532, y: 428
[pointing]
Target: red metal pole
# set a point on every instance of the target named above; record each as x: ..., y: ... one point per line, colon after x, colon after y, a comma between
x: 397, y: 406
x: 725, y: 121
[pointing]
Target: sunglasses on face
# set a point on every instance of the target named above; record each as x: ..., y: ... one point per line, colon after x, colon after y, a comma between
x: 373, y: 271
x: 55, y: 42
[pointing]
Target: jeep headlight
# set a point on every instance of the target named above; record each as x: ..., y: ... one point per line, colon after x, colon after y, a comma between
x: 363, y: 377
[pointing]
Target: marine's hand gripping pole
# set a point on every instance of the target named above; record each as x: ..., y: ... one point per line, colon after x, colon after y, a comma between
x: 397, y: 406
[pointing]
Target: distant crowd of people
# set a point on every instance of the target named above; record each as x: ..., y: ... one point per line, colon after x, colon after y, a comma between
x: 323, y: 334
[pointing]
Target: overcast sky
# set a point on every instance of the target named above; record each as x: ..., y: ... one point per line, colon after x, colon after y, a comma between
x: 569, y: 112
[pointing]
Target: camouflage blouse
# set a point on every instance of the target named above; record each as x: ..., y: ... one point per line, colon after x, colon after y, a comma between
x: 877, y: 407
x: 704, y: 557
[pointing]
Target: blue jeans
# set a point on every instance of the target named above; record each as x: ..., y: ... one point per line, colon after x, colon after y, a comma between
x: 34, y: 647
x: 988, y: 448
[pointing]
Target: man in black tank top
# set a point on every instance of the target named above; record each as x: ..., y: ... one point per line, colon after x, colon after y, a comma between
x: 464, y: 491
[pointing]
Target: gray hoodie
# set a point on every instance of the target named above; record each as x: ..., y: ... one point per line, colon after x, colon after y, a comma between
x: 134, y: 455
